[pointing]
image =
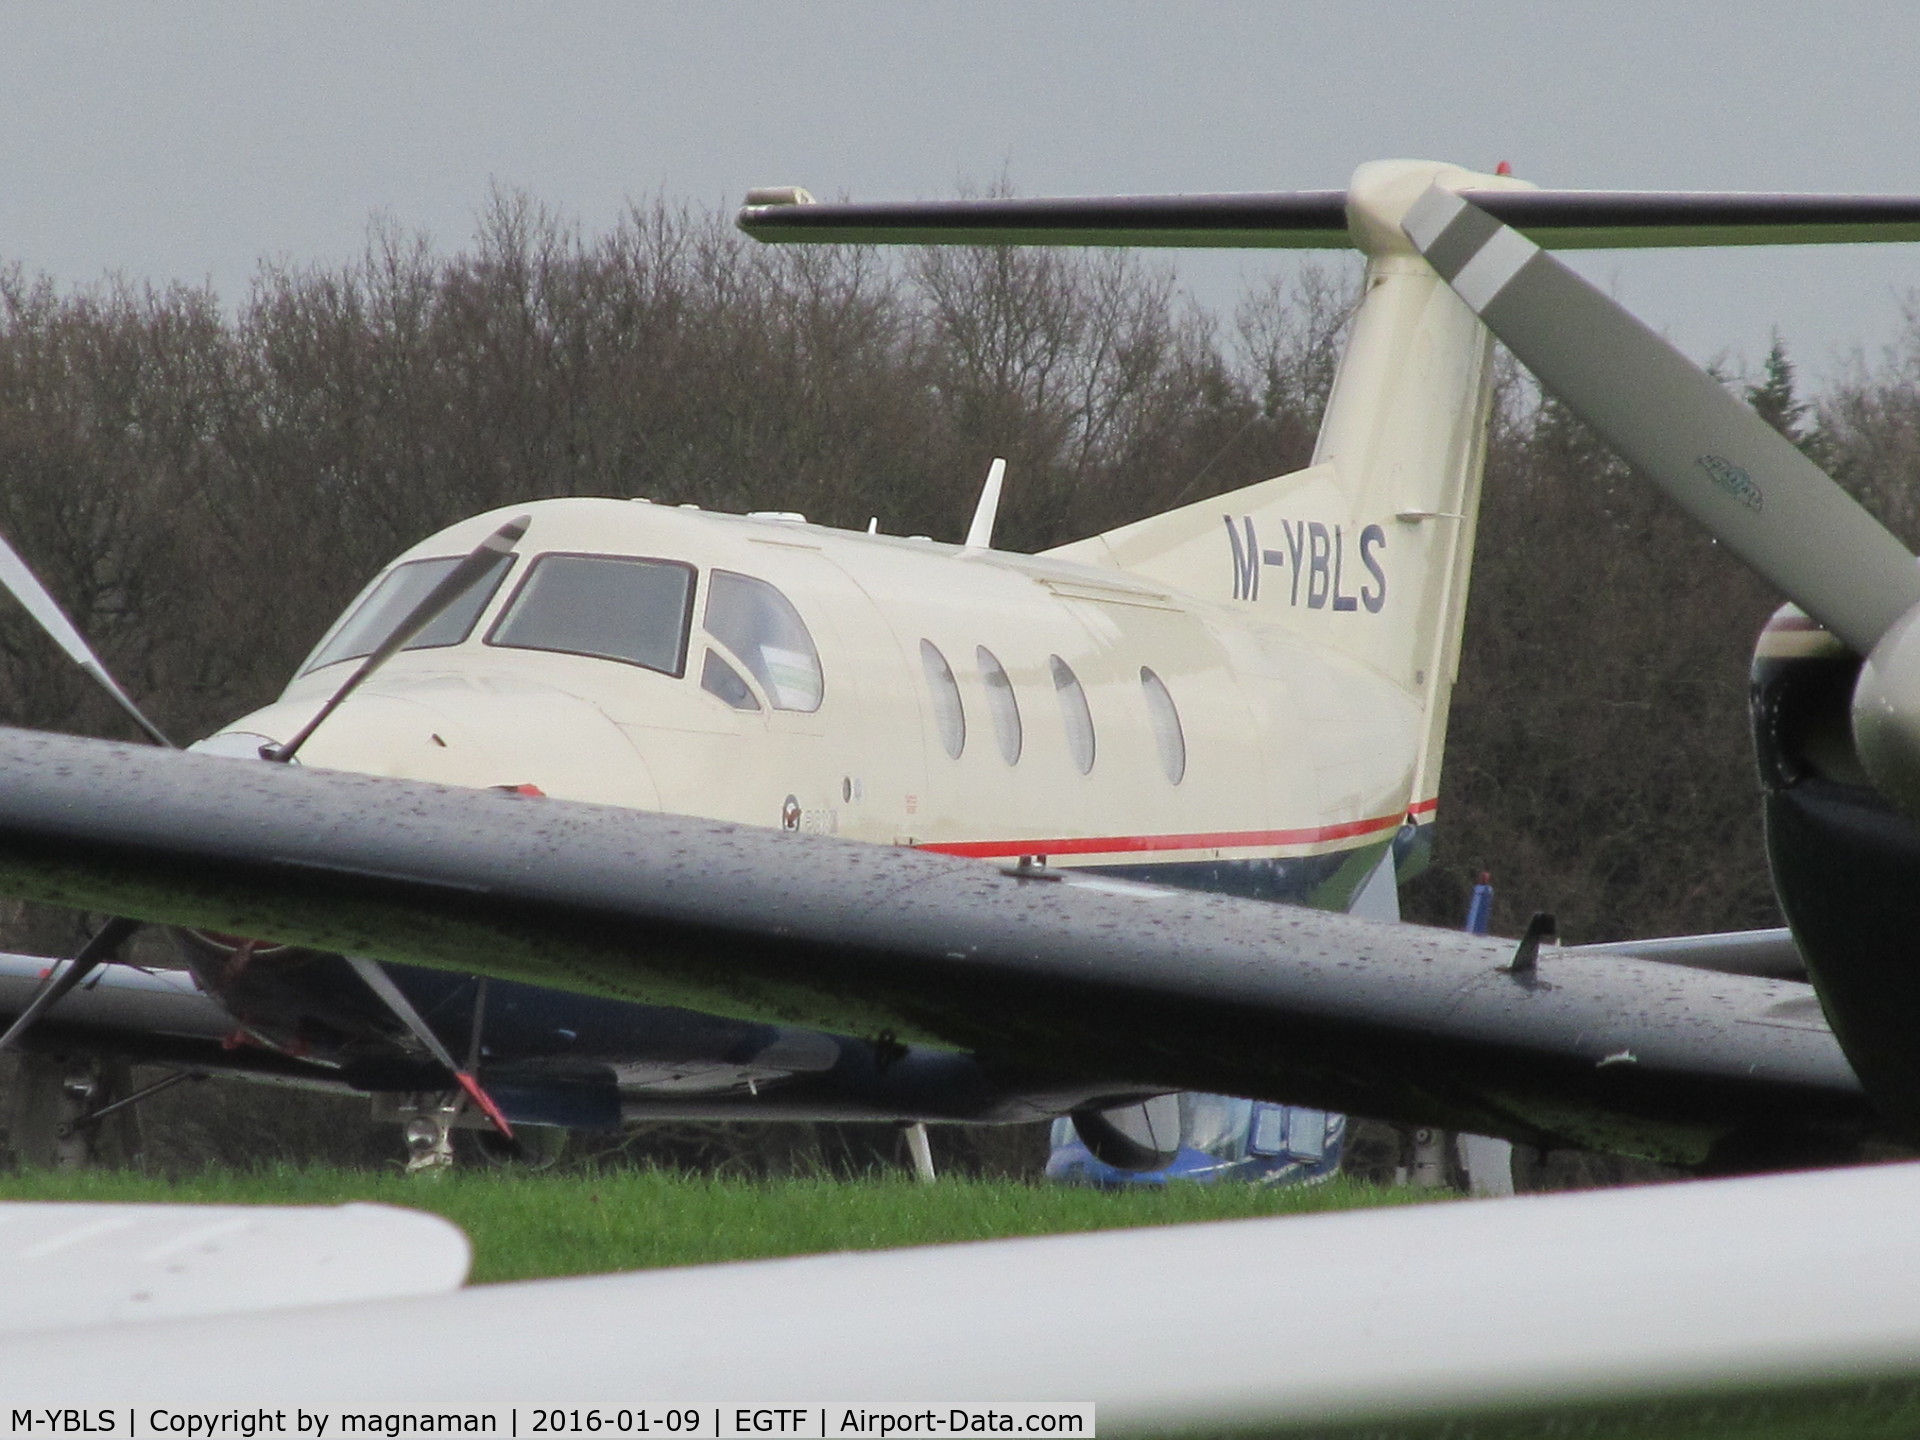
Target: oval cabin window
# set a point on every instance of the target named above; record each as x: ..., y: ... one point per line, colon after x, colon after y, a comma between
x: 1001, y: 705
x: 1073, y: 713
x: 1167, y: 734
x: 948, y: 717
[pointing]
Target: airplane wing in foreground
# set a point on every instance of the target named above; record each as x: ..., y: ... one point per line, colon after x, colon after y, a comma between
x: 1770, y: 1305
x: 65, y: 1266
x: 1079, y: 975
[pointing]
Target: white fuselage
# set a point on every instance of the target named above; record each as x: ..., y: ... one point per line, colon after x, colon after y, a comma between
x: 1276, y: 747
x: 1249, y: 692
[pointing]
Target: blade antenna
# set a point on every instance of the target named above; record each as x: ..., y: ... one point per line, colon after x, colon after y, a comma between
x: 980, y: 532
x: 455, y: 583
x: 382, y: 985
x: 107, y: 939
x: 39, y: 603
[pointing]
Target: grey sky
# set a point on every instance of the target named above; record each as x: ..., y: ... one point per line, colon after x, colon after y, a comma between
x: 186, y: 142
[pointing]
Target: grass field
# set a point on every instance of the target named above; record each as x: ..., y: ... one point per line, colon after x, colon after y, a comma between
x: 531, y: 1225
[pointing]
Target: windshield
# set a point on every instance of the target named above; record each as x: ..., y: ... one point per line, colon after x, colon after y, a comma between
x: 607, y: 606
x: 389, y: 602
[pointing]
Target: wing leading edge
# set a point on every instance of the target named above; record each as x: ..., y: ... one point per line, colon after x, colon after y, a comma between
x: 1081, y: 976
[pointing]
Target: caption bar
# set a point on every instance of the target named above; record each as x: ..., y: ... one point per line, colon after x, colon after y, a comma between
x: 530, y: 1422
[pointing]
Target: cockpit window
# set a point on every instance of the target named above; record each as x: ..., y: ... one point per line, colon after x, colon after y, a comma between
x: 399, y: 590
x: 608, y: 606
x: 759, y: 624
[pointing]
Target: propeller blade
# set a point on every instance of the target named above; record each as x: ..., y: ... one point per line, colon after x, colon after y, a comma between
x: 1677, y: 425
x: 382, y: 985
x: 38, y: 602
x: 452, y: 586
x: 107, y: 939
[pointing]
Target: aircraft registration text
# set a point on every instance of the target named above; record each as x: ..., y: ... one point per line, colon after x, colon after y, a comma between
x: 1316, y: 560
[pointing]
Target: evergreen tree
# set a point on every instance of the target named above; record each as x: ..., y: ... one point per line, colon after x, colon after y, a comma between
x: 1778, y: 402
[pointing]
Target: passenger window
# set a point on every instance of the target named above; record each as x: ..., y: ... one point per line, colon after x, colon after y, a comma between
x: 759, y: 624
x: 1074, y: 713
x: 390, y: 601
x: 1166, y: 725
x: 719, y: 678
x: 948, y: 716
x: 1000, y: 704
x: 606, y: 606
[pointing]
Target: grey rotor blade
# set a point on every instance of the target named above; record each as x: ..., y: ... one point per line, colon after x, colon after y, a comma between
x: 1712, y: 455
x: 34, y: 597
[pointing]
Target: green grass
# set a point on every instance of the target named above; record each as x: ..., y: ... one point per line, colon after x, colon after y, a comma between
x: 528, y: 1226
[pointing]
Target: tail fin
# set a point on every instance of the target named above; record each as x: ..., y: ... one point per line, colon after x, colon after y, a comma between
x: 1367, y: 550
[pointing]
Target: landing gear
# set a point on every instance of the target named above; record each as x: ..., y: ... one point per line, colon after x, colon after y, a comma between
x: 73, y: 1112
x: 429, y: 1119
x: 429, y: 1135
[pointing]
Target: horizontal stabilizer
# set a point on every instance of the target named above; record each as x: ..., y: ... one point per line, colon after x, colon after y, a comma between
x: 1307, y: 219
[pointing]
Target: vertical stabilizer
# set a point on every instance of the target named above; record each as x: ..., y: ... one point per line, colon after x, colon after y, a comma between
x: 1367, y: 550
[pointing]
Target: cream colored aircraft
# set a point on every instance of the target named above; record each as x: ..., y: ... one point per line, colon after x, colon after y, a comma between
x: 1246, y: 694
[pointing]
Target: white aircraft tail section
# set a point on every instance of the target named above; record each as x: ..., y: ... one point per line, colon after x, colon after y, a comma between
x: 1367, y: 550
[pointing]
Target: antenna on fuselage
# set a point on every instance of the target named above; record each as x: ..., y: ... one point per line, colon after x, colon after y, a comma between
x: 980, y: 532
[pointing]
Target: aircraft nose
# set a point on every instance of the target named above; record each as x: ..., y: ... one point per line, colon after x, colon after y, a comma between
x: 462, y: 734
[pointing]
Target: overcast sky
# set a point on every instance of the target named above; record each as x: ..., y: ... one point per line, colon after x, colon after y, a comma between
x: 187, y: 141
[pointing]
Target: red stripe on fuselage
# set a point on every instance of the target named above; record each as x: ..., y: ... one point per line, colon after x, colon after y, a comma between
x: 1222, y: 840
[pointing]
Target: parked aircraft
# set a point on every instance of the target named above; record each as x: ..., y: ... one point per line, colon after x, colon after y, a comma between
x: 813, y: 737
